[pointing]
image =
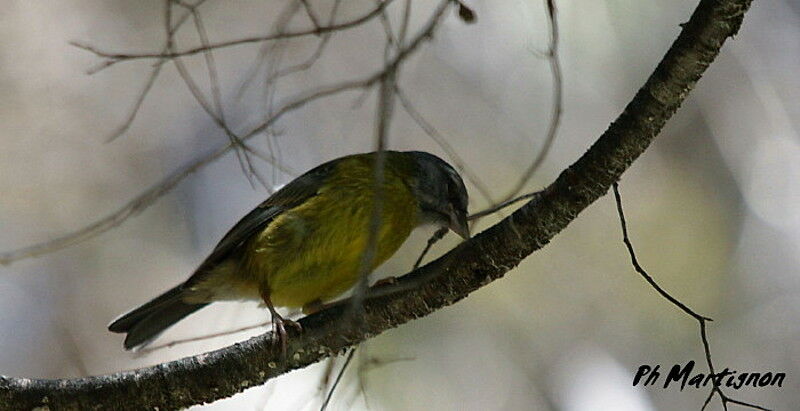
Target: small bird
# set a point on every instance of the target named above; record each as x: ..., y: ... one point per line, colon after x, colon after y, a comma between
x: 304, y: 245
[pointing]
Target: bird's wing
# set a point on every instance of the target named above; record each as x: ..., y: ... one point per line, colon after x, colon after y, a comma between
x: 291, y: 195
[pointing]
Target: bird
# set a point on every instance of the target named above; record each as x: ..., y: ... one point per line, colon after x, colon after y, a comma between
x: 304, y: 245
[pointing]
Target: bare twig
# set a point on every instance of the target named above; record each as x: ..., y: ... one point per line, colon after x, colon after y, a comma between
x: 181, y: 341
x: 701, y: 320
x: 119, y: 57
x: 429, y: 129
x: 438, y: 235
x: 504, y: 204
x: 268, y: 49
x: 338, y: 379
x: 391, y: 43
x: 216, y: 113
x: 384, y: 113
x: 401, y: 37
x: 314, y: 57
x: 441, y: 140
x: 365, y: 365
x: 137, y: 105
x: 383, y: 122
x: 151, y: 78
x: 557, y: 105
x: 311, y: 14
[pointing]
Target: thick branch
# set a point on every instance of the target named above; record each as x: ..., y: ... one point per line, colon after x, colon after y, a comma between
x: 475, y: 263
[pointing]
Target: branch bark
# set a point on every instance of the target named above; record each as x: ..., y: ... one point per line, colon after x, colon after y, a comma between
x: 475, y: 263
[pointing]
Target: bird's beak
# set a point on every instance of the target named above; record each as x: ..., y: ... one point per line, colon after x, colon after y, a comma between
x: 459, y: 224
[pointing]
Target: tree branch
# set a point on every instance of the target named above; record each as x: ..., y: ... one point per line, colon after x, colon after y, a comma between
x: 475, y: 263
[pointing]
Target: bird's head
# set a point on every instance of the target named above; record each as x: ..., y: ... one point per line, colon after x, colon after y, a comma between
x: 441, y: 192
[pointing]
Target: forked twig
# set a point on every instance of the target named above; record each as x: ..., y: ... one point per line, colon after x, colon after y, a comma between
x: 114, y: 58
x: 701, y: 320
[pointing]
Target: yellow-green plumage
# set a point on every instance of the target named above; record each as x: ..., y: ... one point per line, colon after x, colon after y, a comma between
x: 306, y: 243
x: 313, y: 252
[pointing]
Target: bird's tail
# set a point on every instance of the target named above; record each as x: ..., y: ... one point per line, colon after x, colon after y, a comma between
x: 145, y: 323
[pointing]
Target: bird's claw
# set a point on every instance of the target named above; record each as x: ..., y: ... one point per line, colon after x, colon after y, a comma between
x: 279, y: 331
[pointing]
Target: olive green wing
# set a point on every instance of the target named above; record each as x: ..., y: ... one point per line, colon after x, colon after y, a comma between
x: 291, y: 195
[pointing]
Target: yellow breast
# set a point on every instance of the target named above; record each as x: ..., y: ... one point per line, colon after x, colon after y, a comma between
x: 315, y: 251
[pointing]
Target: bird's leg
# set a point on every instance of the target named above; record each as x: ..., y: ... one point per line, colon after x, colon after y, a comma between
x: 279, y: 323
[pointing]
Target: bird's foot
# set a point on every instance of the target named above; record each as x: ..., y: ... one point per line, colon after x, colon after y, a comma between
x: 279, y: 331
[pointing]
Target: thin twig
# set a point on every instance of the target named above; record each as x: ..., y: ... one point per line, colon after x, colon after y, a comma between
x: 641, y: 270
x: 438, y: 235
x: 338, y: 379
x: 385, y: 109
x: 557, y: 104
x: 311, y: 14
x: 674, y: 301
x: 216, y: 112
x: 389, y: 33
x: 315, y: 56
x: 401, y: 37
x: 137, y: 105
x: 119, y: 57
x: 498, y: 207
x: 441, y: 141
x: 182, y: 341
x: 383, y: 121
x: 365, y: 365
x: 368, y: 256
x: 267, y: 49
x: 151, y: 78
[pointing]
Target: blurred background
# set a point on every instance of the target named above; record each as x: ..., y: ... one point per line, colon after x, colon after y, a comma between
x: 712, y: 206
